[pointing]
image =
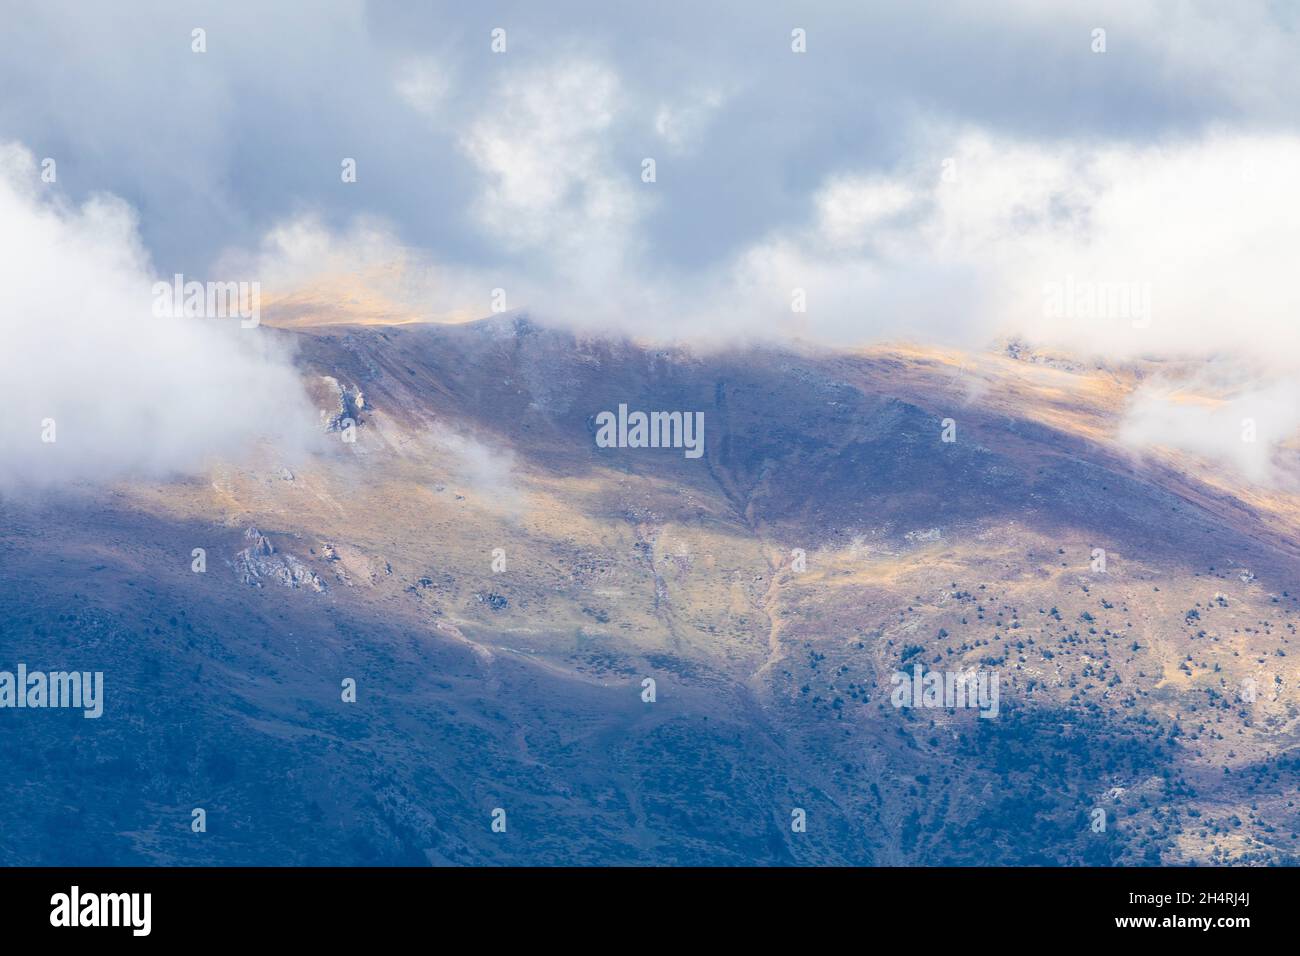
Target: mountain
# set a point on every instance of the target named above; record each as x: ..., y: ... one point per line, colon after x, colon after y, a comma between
x: 499, y: 587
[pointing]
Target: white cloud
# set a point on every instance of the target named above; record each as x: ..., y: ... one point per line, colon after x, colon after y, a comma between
x: 850, y: 209
x: 1208, y: 226
x: 361, y: 273
x: 129, y: 394
x: 550, y: 184
x: 1241, y: 424
x: 1103, y: 248
x: 1205, y: 227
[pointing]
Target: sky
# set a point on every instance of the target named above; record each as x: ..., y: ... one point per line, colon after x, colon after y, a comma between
x: 949, y: 172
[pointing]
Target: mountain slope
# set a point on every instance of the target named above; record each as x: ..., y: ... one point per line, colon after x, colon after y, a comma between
x: 826, y: 537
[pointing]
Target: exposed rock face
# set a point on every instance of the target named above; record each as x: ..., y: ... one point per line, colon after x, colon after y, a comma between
x: 330, y: 554
x: 259, y: 560
x: 348, y: 403
x: 259, y: 544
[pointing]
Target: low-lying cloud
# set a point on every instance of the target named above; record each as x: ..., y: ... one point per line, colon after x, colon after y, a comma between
x: 1108, y: 250
x: 1113, y: 250
x: 944, y: 173
x: 96, y: 386
x: 1240, y: 424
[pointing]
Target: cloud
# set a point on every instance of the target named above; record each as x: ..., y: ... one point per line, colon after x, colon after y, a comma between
x: 422, y: 83
x: 682, y: 125
x: 1108, y: 249
x: 549, y: 182
x: 947, y: 172
x: 851, y: 209
x: 127, y: 393
x: 748, y: 131
x: 487, y: 469
x: 363, y: 272
x: 520, y: 171
x: 1238, y: 422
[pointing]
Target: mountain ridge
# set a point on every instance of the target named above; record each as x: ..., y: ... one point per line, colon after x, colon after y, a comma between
x: 521, y: 688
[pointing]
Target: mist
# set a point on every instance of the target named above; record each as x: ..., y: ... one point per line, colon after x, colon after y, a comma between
x: 97, y: 386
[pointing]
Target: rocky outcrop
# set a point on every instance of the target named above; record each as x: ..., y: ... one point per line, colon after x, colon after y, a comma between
x: 260, y: 561
x: 348, y: 404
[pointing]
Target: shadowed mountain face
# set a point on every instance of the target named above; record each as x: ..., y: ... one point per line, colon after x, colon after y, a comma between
x: 499, y: 587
